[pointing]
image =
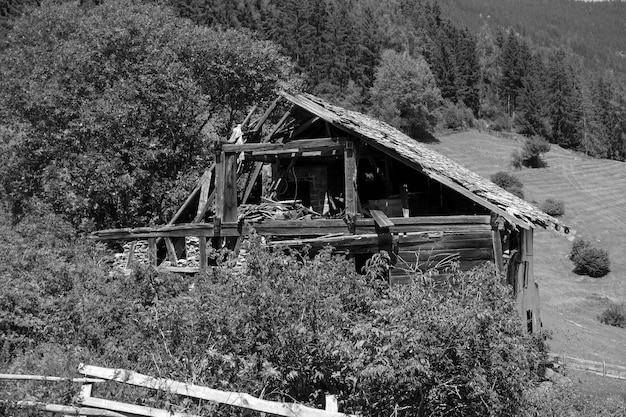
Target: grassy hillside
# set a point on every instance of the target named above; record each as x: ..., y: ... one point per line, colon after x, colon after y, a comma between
x: 594, y: 191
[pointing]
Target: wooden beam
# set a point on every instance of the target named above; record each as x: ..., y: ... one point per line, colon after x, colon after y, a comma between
x: 138, y: 410
x: 248, y: 117
x: 259, y: 124
x: 302, y: 145
x: 67, y: 410
x: 381, y: 218
x: 304, y: 126
x: 229, y: 200
x: 350, y: 177
x: 259, y: 165
x: 206, y: 177
x: 171, y: 251
x: 497, y: 251
x: 204, y: 196
x: 152, y: 252
x: 131, y: 253
x: 44, y: 378
x: 291, y: 227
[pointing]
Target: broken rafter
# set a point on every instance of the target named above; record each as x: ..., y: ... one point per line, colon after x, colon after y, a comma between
x: 258, y: 125
x: 259, y: 165
x: 304, y: 126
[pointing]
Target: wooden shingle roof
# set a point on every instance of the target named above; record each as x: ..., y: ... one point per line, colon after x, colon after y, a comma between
x: 433, y: 164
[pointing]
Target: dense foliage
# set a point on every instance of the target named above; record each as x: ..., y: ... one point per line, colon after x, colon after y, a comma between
x: 589, y: 260
x: 104, y: 106
x: 283, y: 326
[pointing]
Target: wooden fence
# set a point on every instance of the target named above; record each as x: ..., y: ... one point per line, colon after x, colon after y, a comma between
x: 94, y: 406
x: 594, y: 367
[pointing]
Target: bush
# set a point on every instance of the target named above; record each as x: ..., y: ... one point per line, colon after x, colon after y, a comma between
x: 614, y: 315
x: 456, y: 116
x: 589, y: 260
x: 508, y: 182
x: 534, y: 147
x: 501, y: 124
x: 553, y: 207
x: 578, y: 245
x: 283, y: 326
x: 530, y: 156
x: 517, y: 161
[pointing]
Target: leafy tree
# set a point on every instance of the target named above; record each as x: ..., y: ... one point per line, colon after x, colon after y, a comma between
x: 104, y: 106
x: 534, y: 147
x: 405, y: 93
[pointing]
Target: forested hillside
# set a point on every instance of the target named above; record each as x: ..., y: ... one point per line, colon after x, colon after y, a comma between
x: 522, y: 71
x: 399, y: 60
x: 593, y: 30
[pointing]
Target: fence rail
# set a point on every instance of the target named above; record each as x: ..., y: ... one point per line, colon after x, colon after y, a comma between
x: 594, y: 367
x: 93, y: 406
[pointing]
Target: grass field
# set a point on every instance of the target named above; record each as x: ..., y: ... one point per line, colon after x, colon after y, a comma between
x: 594, y: 192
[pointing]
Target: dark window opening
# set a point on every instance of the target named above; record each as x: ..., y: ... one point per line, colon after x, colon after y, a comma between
x: 300, y: 190
x: 529, y: 321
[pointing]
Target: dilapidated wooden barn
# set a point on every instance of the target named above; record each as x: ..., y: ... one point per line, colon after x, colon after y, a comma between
x: 359, y: 185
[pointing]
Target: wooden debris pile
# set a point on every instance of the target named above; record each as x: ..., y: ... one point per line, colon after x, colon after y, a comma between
x: 280, y: 210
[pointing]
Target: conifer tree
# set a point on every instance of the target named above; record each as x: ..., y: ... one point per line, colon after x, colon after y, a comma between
x: 530, y: 116
x: 565, y: 112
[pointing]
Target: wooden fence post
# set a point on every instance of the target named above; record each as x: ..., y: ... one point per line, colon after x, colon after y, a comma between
x: 331, y: 403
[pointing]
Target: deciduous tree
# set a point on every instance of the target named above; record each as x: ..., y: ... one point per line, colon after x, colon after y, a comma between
x: 405, y: 93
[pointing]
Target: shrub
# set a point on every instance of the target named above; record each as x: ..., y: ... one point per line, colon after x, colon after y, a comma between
x: 456, y: 116
x: 530, y: 155
x: 589, y: 260
x: 534, y: 147
x: 614, y: 315
x: 577, y: 246
x: 517, y: 161
x: 508, y: 182
x: 553, y: 207
x: 290, y: 327
x: 501, y: 124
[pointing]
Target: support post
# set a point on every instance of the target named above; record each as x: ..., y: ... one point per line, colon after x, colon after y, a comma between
x: 350, y: 180
x: 152, y: 252
x: 219, y: 198
x: 331, y: 403
x: 229, y: 210
x: 203, y: 257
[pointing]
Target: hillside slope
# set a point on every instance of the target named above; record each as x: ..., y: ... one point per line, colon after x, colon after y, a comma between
x: 594, y: 192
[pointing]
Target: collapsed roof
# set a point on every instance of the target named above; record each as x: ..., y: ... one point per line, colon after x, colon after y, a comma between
x: 440, y: 168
